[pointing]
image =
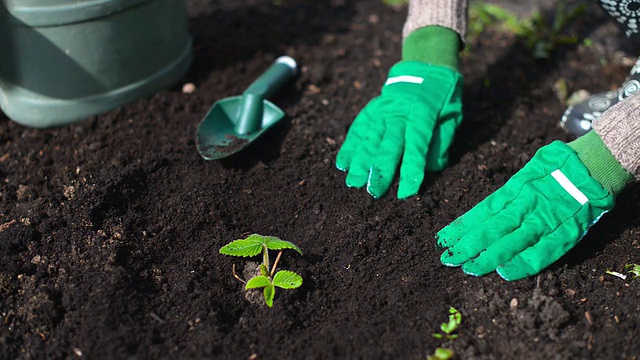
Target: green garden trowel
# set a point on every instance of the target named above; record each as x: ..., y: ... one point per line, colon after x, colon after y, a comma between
x: 234, y: 122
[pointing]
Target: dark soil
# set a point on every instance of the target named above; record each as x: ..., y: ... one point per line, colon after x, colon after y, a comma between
x: 110, y: 228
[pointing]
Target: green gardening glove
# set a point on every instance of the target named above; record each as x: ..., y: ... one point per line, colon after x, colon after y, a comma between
x: 539, y: 214
x: 414, y: 119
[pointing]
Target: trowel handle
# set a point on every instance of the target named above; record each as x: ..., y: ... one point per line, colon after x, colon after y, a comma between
x: 282, y: 70
x: 252, y: 108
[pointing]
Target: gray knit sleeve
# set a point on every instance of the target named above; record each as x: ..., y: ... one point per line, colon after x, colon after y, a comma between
x: 619, y: 129
x: 451, y: 14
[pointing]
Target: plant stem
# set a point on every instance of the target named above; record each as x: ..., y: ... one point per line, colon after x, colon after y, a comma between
x: 275, y: 263
x: 265, y: 256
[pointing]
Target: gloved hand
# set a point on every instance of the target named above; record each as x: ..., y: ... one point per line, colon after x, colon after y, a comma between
x: 414, y: 119
x: 539, y: 214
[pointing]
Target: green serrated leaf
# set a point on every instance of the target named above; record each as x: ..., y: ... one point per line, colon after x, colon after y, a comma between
x: 258, y: 282
x: 287, y: 279
x: 263, y: 270
x: 274, y: 243
x: 438, y: 336
x: 242, y: 247
x: 269, y: 294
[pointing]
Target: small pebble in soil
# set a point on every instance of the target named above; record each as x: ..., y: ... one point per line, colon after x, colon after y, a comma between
x: 188, y: 88
x: 514, y: 303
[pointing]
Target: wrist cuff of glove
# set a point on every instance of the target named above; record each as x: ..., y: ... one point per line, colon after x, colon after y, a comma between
x: 434, y: 45
x: 601, y: 163
x: 417, y: 72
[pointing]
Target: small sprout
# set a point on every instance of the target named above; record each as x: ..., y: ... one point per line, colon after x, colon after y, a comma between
x: 441, y: 354
x: 616, y: 274
x: 634, y: 270
x: 451, y: 326
x: 268, y: 279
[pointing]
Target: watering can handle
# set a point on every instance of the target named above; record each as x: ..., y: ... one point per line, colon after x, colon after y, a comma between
x: 251, y: 110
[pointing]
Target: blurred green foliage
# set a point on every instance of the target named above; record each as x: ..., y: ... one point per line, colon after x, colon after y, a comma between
x: 540, y: 35
x: 395, y: 2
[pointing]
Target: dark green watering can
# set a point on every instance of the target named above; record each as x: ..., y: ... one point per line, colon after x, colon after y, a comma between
x: 64, y: 60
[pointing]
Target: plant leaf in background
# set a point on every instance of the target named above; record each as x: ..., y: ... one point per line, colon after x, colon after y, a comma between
x: 537, y: 34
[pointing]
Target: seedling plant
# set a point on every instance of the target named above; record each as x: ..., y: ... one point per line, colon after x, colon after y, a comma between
x: 450, y: 326
x: 448, y: 332
x: 268, y: 278
x: 634, y: 270
x: 537, y: 34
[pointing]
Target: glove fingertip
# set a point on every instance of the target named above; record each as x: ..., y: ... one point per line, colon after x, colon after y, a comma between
x: 471, y: 271
x: 343, y: 159
x: 445, y: 259
x: 341, y: 167
x: 445, y: 240
x: 513, y: 273
x: 356, y: 179
x: 478, y: 267
x: 374, y: 192
x: 407, y: 191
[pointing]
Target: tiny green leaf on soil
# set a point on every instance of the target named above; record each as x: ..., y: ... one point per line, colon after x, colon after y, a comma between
x: 287, y: 279
x: 441, y: 354
x: 257, y: 282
